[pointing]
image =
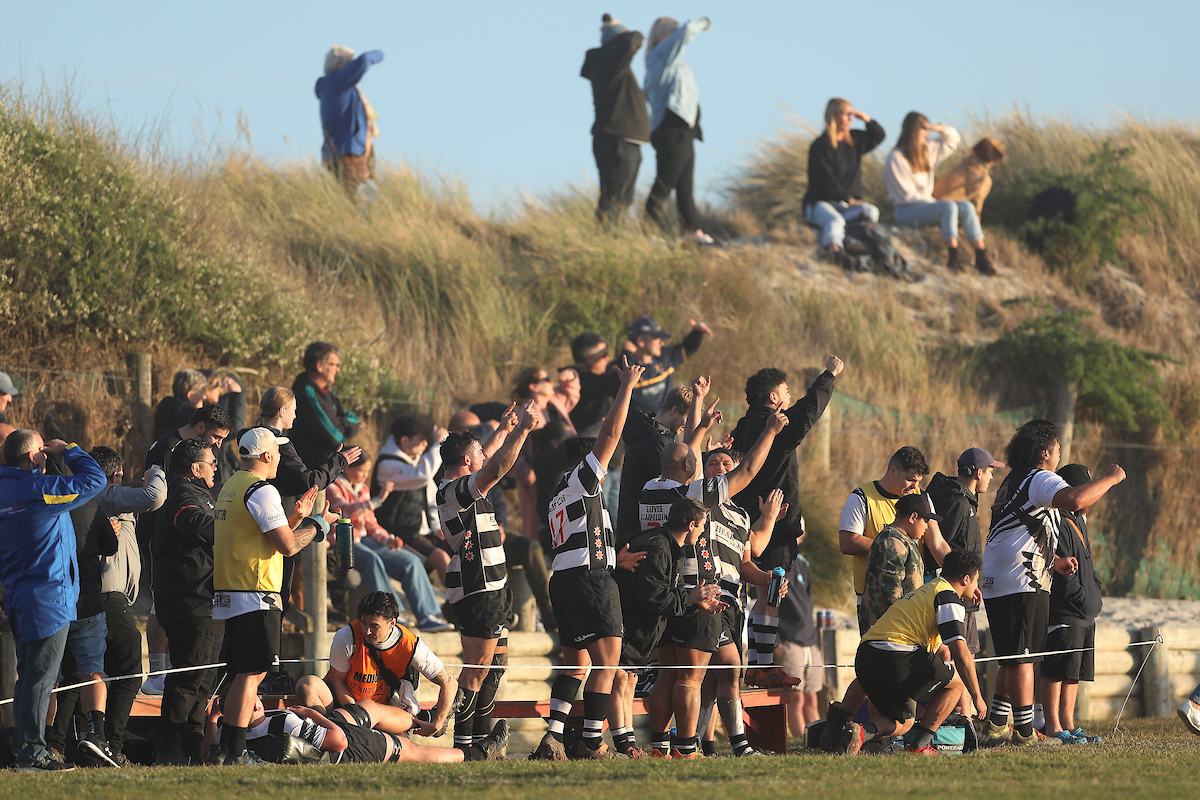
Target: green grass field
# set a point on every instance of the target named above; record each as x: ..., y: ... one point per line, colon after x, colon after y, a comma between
x: 1155, y: 758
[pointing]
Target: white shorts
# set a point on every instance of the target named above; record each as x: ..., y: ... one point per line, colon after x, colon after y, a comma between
x: 803, y: 662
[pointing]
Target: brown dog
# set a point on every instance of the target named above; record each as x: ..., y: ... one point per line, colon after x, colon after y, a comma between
x: 971, y: 180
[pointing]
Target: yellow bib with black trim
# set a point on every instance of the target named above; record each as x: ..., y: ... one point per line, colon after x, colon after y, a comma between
x: 881, y: 512
x: 244, y: 559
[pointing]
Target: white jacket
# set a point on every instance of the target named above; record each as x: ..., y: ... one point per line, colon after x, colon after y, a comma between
x: 905, y: 187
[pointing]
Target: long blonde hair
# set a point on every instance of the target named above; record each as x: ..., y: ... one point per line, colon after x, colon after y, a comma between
x: 274, y: 400
x: 833, y: 110
x: 909, y: 147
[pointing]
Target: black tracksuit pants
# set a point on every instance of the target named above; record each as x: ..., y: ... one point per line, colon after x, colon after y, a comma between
x: 194, y: 641
x: 674, y: 149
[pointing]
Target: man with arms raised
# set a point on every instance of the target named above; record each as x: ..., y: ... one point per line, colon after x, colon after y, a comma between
x: 477, y: 578
x: 251, y: 536
x: 587, y: 604
x: 766, y: 394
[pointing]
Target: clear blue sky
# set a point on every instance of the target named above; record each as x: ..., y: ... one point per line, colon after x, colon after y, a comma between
x: 490, y: 92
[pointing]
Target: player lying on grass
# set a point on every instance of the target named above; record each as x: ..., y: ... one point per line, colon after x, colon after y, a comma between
x: 348, y: 734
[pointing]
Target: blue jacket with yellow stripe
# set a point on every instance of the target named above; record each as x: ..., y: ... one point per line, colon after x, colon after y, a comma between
x: 37, y: 543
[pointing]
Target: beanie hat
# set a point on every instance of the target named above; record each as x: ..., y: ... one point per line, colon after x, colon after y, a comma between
x: 611, y: 29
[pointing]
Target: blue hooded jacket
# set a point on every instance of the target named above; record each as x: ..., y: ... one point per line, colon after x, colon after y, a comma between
x: 37, y: 543
x: 343, y: 117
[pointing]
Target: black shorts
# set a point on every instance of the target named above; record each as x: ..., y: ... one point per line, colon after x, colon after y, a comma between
x: 695, y: 630
x: 1018, y: 625
x: 363, y: 745
x: 638, y: 645
x: 587, y: 606
x: 897, y: 681
x: 1077, y: 666
x: 733, y: 622
x: 485, y: 615
x: 251, y: 642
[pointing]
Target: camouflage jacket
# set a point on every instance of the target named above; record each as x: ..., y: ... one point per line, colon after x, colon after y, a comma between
x: 894, y: 568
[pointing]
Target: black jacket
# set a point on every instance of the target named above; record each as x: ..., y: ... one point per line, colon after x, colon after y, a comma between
x: 653, y: 593
x: 959, y: 508
x: 183, y: 552
x: 645, y: 439
x: 321, y: 422
x: 835, y: 175
x: 620, y: 105
x: 94, y: 537
x: 171, y: 414
x: 781, y: 469
x: 294, y: 478
x: 1075, y: 599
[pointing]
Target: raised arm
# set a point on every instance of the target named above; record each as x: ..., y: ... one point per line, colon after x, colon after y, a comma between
x: 700, y: 422
x: 739, y: 478
x: 1088, y: 494
x: 610, y: 430
x: 508, y: 423
x: 501, y: 462
x: 770, y: 509
x: 136, y: 499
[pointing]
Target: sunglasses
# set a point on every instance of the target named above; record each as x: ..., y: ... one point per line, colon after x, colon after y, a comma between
x: 543, y: 379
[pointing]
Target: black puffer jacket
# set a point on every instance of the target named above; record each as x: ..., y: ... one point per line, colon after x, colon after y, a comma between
x: 183, y: 552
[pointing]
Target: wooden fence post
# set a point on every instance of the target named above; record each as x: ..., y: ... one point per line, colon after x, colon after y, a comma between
x: 1062, y: 413
x: 141, y: 405
x: 316, y: 606
x: 1156, y: 678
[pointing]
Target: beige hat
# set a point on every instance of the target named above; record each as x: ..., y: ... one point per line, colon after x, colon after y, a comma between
x: 257, y: 441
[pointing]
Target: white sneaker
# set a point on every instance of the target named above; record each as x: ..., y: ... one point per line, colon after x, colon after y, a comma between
x: 1190, y: 716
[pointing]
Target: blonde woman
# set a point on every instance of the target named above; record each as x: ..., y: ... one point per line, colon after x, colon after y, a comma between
x: 834, y: 194
x: 908, y: 174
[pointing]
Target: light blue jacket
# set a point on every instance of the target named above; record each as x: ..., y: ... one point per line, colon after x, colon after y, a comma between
x: 669, y: 83
x: 38, y: 564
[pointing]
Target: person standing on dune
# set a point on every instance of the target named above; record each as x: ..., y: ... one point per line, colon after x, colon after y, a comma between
x: 347, y: 119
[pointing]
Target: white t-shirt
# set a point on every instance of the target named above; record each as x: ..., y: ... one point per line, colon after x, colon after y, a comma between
x: 854, y: 514
x: 428, y: 664
x: 1017, y: 558
x: 266, y: 509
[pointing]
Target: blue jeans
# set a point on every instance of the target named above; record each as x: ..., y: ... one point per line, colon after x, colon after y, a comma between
x: 86, y: 640
x: 38, y: 662
x: 947, y: 213
x: 410, y: 571
x: 831, y: 218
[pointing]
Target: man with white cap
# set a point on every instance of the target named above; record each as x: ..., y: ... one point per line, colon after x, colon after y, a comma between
x: 252, y: 535
x: 347, y: 119
x: 957, y: 501
x: 7, y: 392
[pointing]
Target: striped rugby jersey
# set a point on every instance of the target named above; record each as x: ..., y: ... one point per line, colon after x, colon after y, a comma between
x: 1023, y: 535
x: 469, y: 524
x: 725, y: 539
x: 580, y: 528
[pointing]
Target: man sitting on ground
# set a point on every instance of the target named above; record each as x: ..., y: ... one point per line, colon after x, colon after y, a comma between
x: 899, y: 666
x: 376, y: 658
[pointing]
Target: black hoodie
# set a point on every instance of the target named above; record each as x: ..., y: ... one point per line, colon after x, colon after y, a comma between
x: 959, y: 509
x: 645, y: 439
x: 781, y: 469
x: 1075, y: 599
x: 620, y: 105
x: 653, y: 593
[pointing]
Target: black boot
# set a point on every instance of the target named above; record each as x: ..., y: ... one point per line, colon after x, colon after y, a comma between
x: 952, y: 262
x: 983, y: 263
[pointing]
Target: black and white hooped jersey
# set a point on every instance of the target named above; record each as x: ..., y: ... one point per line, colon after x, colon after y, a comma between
x: 717, y: 554
x: 1023, y: 536
x: 469, y: 524
x: 580, y: 527
x: 656, y: 499
x: 278, y: 722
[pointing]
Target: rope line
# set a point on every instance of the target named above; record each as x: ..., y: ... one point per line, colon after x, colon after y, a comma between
x: 510, y: 667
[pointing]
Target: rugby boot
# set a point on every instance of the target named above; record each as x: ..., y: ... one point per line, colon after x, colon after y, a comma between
x: 770, y: 678
x: 995, y: 735
x: 245, y: 759
x: 549, y: 749
x: 1035, y: 739
x: 493, y: 745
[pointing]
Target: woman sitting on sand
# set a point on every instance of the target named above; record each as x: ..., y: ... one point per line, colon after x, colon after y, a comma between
x: 834, y: 195
x: 908, y: 174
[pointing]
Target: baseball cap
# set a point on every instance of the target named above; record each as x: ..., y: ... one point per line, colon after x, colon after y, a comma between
x: 916, y: 504
x: 977, y: 458
x: 6, y: 385
x: 257, y: 441
x: 647, y: 326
